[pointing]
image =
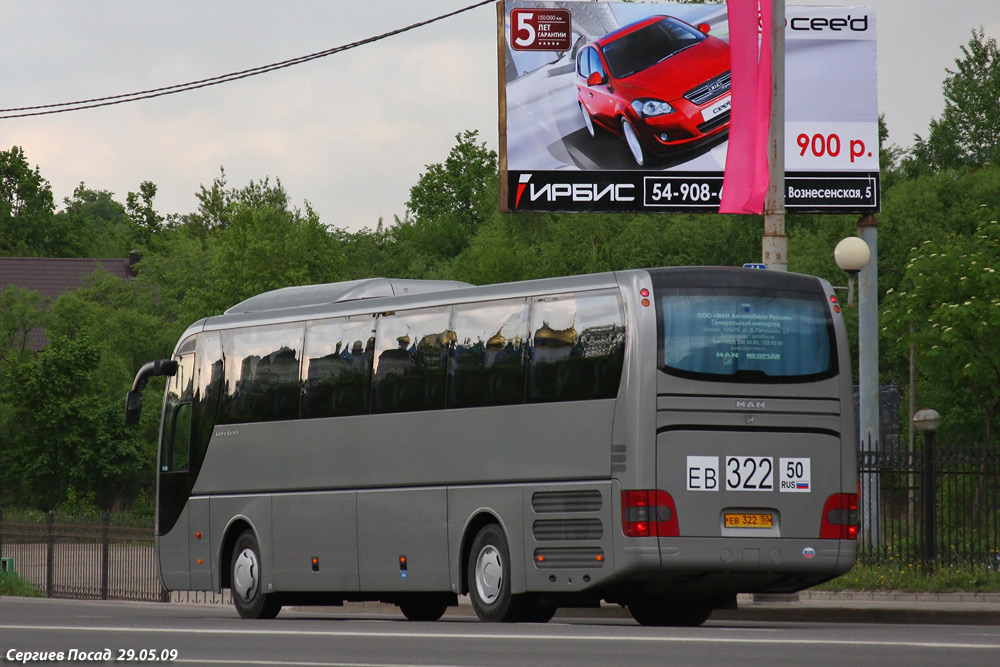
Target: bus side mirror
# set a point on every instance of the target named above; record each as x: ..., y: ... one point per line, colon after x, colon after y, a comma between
x: 133, y: 407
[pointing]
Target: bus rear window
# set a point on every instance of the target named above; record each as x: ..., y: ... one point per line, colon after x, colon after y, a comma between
x: 748, y: 335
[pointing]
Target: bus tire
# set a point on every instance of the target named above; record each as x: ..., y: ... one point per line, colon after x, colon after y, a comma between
x: 245, y: 581
x: 655, y: 611
x: 489, y: 579
x: 424, y: 607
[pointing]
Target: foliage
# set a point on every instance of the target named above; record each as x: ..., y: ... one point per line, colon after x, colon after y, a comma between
x: 968, y: 132
x: 101, y: 226
x: 20, y: 311
x: 905, y: 576
x: 28, y: 226
x: 65, y: 431
x: 951, y: 298
x: 143, y: 218
x: 12, y: 584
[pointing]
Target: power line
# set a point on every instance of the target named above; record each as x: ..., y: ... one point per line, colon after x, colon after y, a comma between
x: 62, y: 107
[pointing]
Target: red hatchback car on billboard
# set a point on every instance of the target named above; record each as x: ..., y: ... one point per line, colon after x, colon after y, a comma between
x: 660, y: 83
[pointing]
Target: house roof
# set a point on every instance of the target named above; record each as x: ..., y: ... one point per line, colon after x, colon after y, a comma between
x: 52, y: 277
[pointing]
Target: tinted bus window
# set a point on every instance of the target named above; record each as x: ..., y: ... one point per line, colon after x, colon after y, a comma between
x: 177, y: 417
x: 262, y: 374
x: 208, y: 389
x: 411, y: 351
x: 337, y: 372
x: 487, y: 367
x: 747, y: 334
x: 577, y: 347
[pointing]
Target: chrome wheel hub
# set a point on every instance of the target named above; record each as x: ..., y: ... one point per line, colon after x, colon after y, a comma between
x: 246, y: 573
x: 489, y: 574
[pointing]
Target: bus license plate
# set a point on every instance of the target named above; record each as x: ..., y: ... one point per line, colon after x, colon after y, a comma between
x: 749, y: 520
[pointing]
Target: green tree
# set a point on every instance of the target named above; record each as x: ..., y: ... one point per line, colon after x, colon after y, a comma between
x: 63, y: 432
x: 28, y: 226
x: 968, y: 132
x: 21, y: 310
x: 103, y: 228
x: 142, y: 215
x: 455, y: 188
x: 951, y: 296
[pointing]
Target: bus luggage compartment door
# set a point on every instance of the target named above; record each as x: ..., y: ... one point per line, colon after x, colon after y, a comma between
x: 749, y: 484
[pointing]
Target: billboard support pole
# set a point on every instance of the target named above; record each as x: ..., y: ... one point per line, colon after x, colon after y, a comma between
x: 502, y: 113
x: 775, y: 243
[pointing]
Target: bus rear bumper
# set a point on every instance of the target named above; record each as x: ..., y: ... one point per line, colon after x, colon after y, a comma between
x: 757, y: 555
x: 722, y: 566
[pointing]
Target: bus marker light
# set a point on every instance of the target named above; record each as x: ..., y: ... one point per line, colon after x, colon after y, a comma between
x: 197, y: 535
x: 199, y: 561
x: 644, y: 292
x: 645, y: 303
x: 402, y: 563
x: 315, y: 564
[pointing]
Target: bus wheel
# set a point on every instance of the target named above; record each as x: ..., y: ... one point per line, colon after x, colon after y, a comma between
x: 489, y: 579
x: 424, y: 607
x: 665, y: 611
x: 245, y: 583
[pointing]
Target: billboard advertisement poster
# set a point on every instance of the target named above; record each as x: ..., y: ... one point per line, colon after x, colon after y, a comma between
x: 626, y: 107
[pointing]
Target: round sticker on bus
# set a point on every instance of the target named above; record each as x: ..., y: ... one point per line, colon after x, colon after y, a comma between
x: 808, y: 552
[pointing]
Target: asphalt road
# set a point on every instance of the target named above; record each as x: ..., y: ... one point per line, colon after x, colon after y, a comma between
x: 204, y: 635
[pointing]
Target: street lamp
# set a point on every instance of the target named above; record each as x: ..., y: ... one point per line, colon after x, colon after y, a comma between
x: 852, y: 254
x: 927, y: 421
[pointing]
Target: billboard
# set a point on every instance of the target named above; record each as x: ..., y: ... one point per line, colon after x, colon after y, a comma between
x: 628, y: 107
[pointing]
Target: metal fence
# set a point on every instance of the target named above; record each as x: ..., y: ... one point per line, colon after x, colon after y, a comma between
x: 90, y: 557
x: 113, y: 557
x: 939, y: 504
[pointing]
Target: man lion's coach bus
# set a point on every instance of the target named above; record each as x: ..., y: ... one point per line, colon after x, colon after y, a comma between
x: 661, y: 439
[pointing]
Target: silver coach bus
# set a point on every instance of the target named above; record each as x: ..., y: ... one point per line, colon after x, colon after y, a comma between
x: 662, y: 439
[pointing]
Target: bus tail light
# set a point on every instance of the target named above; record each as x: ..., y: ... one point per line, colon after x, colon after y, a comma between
x: 840, y: 517
x: 649, y: 513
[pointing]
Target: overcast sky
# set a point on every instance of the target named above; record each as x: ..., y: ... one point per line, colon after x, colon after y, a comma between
x: 350, y: 133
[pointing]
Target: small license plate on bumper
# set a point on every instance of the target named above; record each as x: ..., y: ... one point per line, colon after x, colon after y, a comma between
x: 748, y: 520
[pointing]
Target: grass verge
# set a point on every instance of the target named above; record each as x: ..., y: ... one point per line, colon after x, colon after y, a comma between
x: 912, y: 577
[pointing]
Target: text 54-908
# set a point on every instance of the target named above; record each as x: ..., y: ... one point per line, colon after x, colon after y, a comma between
x: 682, y: 191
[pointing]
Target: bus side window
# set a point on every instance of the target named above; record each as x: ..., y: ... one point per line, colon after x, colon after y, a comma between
x: 208, y: 388
x: 411, y: 351
x: 262, y: 374
x: 337, y: 369
x: 177, y: 417
x: 180, y: 444
x: 487, y: 367
x: 577, y: 347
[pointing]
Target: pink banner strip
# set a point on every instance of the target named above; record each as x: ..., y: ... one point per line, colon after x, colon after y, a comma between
x: 746, y: 176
